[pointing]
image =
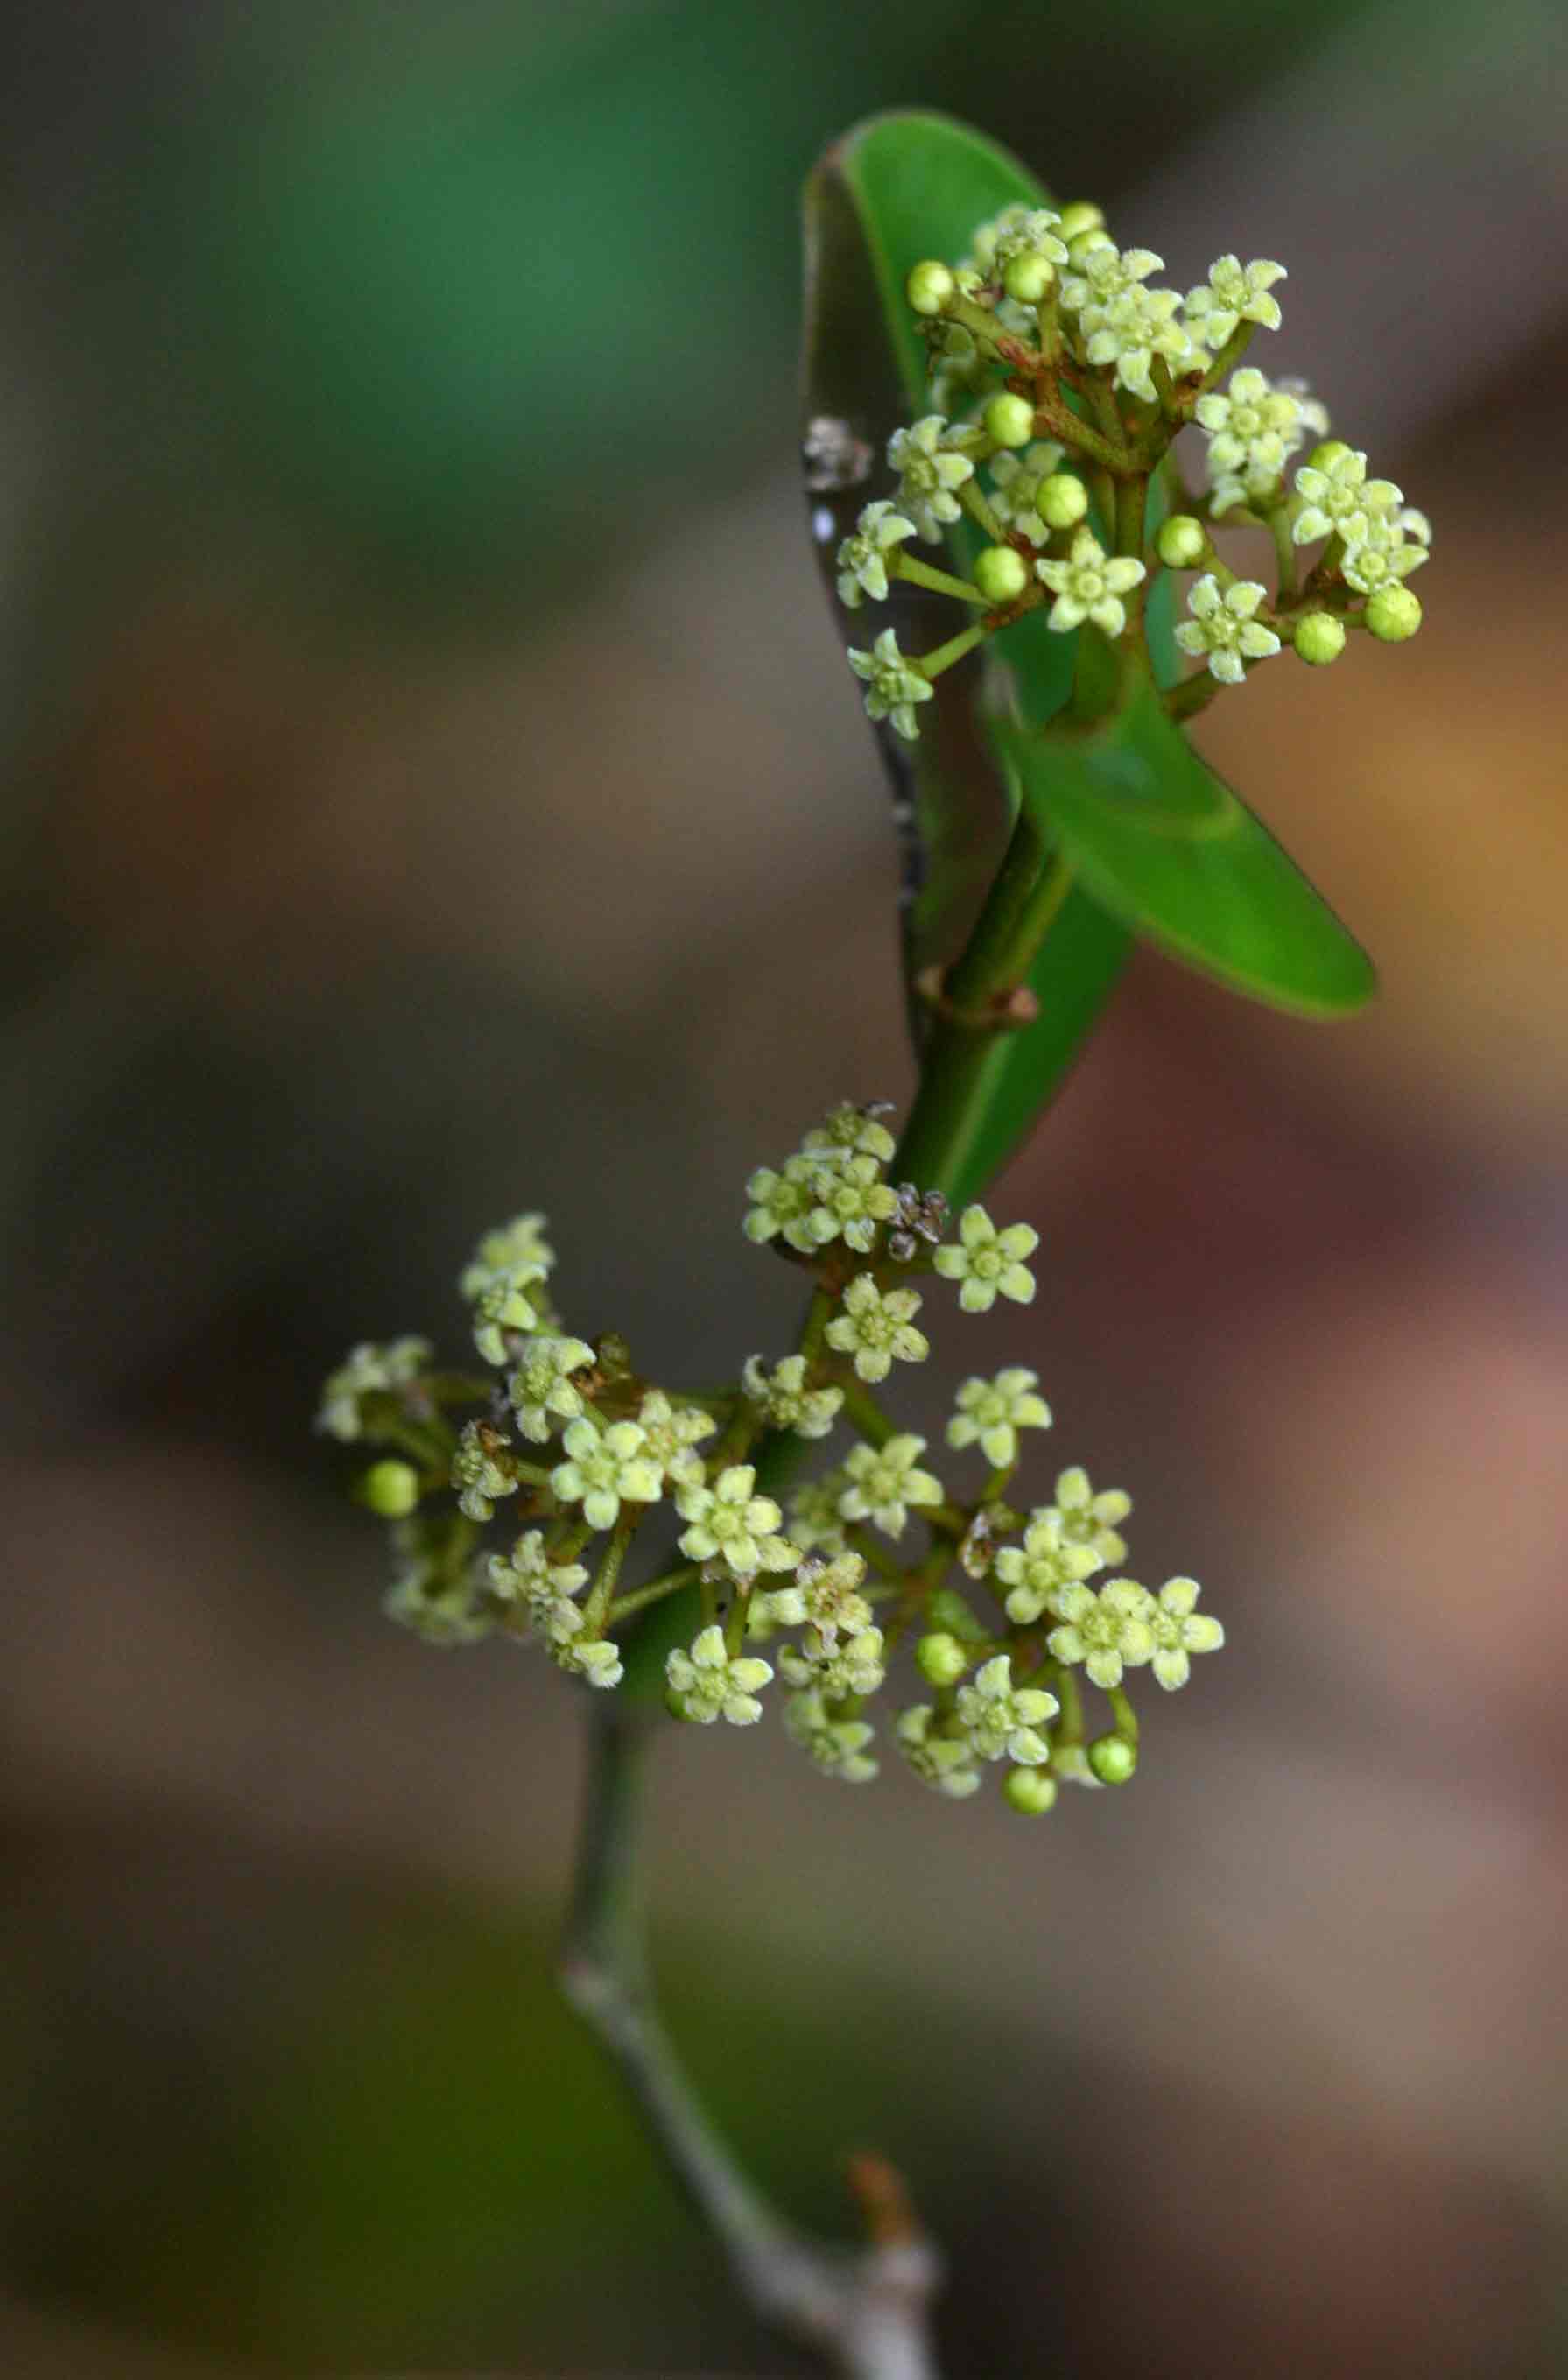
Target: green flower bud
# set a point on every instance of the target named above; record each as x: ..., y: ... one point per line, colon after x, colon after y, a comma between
x: 1394, y: 613
x: 1324, y: 457
x: 1112, y: 1759
x: 1010, y: 420
x: 1030, y: 1791
x: 1182, y: 542
x: 1000, y: 574
x: 1029, y: 278
x: 1086, y: 243
x: 1319, y: 638
x: 391, y: 1489
x: 940, y: 1660
x: 1061, y: 500
x: 1081, y: 216
x: 930, y: 287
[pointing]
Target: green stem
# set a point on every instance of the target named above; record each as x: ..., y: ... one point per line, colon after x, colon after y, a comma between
x: 863, y: 1413
x: 941, y: 582
x: 865, y: 2315
x: 931, y: 664
x: 654, y: 1592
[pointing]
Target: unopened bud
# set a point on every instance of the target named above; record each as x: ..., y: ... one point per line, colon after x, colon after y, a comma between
x: 1001, y: 574
x: 1010, y: 420
x: 391, y: 1489
x: 1394, y: 613
x: 1030, y: 1791
x: 1112, y: 1759
x: 1061, y: 500
x: 930, y: 287
x: 1319, y: 638
x: 1029, y: 278
x: 1183, y: 541
x: 940, y: 1660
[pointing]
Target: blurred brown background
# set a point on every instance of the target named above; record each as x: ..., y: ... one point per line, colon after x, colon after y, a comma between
x: 435, y: 789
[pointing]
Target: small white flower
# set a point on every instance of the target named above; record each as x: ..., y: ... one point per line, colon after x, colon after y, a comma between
x: 992, y: 1413
x: 1233, y: 292
x: 877, y: 1325
x: 367, y: 1370
x: 837, y: 1746
x: 540, y: 1388
x: 885, y: 1480
x: 784, y: 1399
x: 710, y: 1683
x: 1002, y: 1721
x: 540, y: 1590
x: 930, y: 471
x: 986, y: 1261
x: 731, y: 1523
x: 499, y: 1254
x: 825, y: 1594
x: 1038, y: 1569
x: 1336, y: 495
x: 604, y: 1468
x: 672, y: 1433
x: 783, y: 1204
x: 1106, y: 1632
x: 506, y: 1309
x: 862, y: 559
x: 892, y: 686
x: 850, y: 1131
x: 837, y: 1666
x: 1016, y: 484
x: 434, y: 1590
x: 1088, y: 1519
x: 1377, y: 554
x: 1090, y: 586
x: 1223, y: 626
x: 1255, y: 425
x: 1131, y: 329
x: 1179, y: 1631
x: 851, y: 1201
x: 945, y: 1763
x: 815, y: 1520
x: 596, y: 1660
x: 477, y: 1472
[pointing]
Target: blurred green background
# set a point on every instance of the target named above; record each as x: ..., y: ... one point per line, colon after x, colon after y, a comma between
x: 435, y: 789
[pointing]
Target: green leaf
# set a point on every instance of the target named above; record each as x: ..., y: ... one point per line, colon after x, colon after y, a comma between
x: 1158, y: 838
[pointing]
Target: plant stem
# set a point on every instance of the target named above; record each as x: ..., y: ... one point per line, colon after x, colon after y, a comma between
x: 865, y: 2314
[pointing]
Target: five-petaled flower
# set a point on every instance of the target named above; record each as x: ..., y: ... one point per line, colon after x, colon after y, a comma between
x: 731, y: 1523
x: 1106, y: 1632
x: 986, y: 1261
x: 1090, y: 586
x: 710, y: 1682
x: 892, y: 685
x: 929, y: 472
x: 992, y: 1413
x: 1223, y: 628
x: 1002, y: 1721
x: 877, y: 1327
x: 1233, y: 292
x: 863, y: 558
x: 885, y: 1480
x: 604, y: 1468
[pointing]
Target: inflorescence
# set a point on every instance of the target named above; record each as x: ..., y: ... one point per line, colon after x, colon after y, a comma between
x: 1060, y: 380
x: 1009, y: 1609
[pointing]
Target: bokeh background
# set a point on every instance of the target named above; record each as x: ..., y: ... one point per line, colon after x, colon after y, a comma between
x: 434, y: 789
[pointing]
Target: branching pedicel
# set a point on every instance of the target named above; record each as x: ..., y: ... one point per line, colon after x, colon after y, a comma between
x: 594, y: 1454
x: 1060, y: 380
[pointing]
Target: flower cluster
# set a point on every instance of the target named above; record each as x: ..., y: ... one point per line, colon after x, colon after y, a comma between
x: 1008, y: 1609
x: 1061, y: 375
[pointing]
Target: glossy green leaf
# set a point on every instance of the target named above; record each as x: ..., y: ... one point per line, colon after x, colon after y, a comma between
x: 1157, y: 837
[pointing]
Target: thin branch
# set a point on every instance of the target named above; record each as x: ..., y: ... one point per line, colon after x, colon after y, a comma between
x: 865, y: 2314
